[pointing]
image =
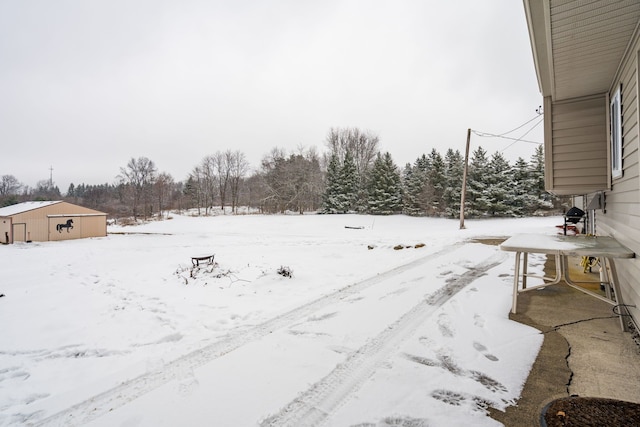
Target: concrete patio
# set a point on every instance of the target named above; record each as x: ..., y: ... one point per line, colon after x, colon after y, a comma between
x: 585, y: 352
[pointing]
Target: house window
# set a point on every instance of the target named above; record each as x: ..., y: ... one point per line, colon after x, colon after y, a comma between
x: 616, y: 135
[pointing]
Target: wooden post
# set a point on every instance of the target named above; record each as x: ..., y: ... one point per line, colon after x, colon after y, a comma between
x: 463, y: 193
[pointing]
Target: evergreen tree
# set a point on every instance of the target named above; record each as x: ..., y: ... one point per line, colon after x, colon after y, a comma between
x: 422, y: 168
x: 544, y: 200
x: 500, y: 191
x: 454, y: 170
x: 331, y: 202
x: 423, y: 164
x: 350, y: 182
x: 524, y: 201
x: 385, y: 192
x: 477, y: 203
x: 409, y: 202
x: 193, y: 190
x: 415, y: 181
x: 436, y: 183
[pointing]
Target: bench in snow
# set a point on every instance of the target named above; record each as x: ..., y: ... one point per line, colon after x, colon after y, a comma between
x: 196, y: 260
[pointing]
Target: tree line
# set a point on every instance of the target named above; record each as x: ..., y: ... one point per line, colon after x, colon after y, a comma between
x: 432, y: 185
x: 352, y: 176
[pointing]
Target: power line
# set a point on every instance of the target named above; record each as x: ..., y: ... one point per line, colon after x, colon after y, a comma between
x: 522, y: 125
x: 493, y: 135
x: 525, y: 134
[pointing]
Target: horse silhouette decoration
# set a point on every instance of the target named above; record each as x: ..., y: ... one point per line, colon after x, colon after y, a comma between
x: 68, y: 225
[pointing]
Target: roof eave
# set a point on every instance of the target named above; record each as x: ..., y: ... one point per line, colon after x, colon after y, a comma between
x: 537, y: 14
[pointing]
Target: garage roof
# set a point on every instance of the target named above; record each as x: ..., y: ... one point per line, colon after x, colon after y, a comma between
x: 24, y: 207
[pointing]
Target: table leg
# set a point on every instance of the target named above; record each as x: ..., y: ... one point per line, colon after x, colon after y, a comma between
x: 525, y: 263
x: 559, y: 268
x: 613, y: 279
x: 604, y: 278
x: 569, y: 282
x: 516, y: 280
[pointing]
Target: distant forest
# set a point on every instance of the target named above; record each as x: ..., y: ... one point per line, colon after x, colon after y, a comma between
x: 354, y: 176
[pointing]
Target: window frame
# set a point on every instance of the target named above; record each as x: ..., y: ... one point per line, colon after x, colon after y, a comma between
x: 615, y: 114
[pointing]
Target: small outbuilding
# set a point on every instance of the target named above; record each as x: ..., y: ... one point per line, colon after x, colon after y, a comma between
x: 47, y: 221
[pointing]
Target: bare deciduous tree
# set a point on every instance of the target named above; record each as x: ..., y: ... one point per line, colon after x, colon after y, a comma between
x: 139, y: 175
x: 223, y: 173
x: 194, y: 188
x: 293, y: 182
x: 238, y: 168
x: 274, y: 180
x: 209, y: 181
x: 162, y: 187
x: 9, y: 185
x: 363, y: 146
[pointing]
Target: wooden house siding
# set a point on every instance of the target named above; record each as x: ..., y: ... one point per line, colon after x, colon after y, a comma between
x: 584, y: 52
x: 578, y: 162
x: 621, y: 215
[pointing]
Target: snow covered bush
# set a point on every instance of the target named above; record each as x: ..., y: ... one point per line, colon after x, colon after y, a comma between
x: 285, y: 272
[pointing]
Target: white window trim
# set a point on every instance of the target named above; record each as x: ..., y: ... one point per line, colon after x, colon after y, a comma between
x: 616, y: 134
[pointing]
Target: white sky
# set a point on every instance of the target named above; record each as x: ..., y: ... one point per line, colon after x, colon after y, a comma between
x: 85, y: 86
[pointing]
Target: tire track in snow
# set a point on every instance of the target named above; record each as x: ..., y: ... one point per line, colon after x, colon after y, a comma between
x: 321, y: 400
x: 130, y: 390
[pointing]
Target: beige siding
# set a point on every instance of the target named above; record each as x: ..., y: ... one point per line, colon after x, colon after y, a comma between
x: 588, y: 49
x: 19, y: 232
x: 589, y: 40
x: 578, y: 158
x: 621, y: 216
x: 83, y: 226
x: 5, y: 230
x: 39, y: 225
x: 35, y: 226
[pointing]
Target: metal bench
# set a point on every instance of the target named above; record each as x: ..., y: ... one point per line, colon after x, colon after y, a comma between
x: 196, y: 260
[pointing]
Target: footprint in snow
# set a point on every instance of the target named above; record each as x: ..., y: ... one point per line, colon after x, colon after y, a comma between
x: 340, y: 349
x: 477, y: 403
x: 447, y: 362
x: 33, y: 397
x: 488, y: 382
x: 397, y: 422
x: 321, y: 317
x: 187, y: 383
x: 445, y: 273
x: 425, y: 341
x: 13, y: 372
x: 307, y: 334
x: 449, y: 397
x: 483, y: 349
x: 394, y: 293
x: 444, y: 324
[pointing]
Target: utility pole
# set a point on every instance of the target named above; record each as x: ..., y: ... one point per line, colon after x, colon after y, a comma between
x: 50, y: 176
x: 463, y: 193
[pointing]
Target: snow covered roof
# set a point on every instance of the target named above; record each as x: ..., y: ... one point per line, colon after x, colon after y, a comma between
x: 24, y: 207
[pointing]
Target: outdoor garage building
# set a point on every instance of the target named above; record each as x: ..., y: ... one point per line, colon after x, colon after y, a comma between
x: 46, y: 221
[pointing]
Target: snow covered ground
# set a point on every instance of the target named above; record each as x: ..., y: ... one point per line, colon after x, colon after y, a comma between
x: 121, y: 331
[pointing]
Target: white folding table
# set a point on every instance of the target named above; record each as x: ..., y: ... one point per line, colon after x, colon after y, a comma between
x: 562, y: 247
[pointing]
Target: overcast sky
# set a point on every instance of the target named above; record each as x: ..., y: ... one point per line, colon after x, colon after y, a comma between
x: 86, y: 85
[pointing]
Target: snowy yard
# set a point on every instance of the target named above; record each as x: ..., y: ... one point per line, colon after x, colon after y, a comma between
x: 119, y: 331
